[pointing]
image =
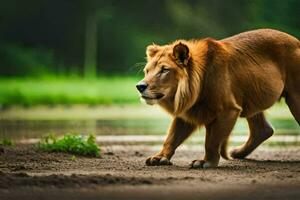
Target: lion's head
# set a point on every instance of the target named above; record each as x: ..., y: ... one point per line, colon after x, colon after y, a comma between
x: 172, y: 76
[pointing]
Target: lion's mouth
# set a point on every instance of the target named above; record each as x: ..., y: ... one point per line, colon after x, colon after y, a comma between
x: 157, y: 97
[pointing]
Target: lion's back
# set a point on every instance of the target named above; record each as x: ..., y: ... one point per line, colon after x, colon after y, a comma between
x: 264, y: 36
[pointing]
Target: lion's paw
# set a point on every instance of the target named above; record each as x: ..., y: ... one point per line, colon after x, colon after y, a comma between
x: 238, y: 153
x: 157, y: 160
x: 196, y: 164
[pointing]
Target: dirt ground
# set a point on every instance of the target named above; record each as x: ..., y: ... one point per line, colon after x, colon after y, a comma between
x: 120, y: 173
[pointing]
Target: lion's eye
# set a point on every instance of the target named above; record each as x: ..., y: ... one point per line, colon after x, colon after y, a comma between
x: 164, y: 70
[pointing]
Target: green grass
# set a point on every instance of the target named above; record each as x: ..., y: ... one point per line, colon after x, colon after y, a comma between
x: 74, y: 144
x: 67, y: 91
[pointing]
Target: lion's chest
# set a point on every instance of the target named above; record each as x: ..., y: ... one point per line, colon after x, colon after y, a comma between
x: 199, y: 115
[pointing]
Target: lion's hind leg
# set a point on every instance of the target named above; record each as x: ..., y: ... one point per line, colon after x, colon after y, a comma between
x: 260, y: 130
x: 293, y: 101
x: 292, y: 93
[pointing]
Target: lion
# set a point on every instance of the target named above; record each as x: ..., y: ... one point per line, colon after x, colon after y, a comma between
x: 211, y: 83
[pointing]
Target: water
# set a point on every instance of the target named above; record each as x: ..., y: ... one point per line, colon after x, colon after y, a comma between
x: 20, y: 124
x: 22, y: 129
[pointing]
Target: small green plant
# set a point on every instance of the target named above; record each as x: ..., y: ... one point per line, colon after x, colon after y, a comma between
x: 75, y: 144
x: 6, y: 142
x: 73, y: 158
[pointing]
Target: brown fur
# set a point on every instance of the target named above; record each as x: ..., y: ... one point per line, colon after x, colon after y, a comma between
x: 211, y: 83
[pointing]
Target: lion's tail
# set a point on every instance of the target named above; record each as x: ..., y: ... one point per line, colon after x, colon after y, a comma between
x: 223, y: 150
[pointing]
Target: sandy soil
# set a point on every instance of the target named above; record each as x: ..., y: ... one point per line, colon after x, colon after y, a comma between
x: 120, y: 173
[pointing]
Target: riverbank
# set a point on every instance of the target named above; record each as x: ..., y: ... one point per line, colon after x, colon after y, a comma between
x: 120, y: 173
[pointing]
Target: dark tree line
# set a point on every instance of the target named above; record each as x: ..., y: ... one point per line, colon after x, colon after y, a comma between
x: 85, y: 36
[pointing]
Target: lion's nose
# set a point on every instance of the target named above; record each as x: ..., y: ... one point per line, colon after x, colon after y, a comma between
x: 141, y: 86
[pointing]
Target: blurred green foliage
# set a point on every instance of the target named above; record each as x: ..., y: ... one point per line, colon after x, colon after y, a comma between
x: 49, y: 36
x: 19, y: 60
x: 6, y: 142
x: 57, y: 42
x: 62, y: 90
x: 75, y: 144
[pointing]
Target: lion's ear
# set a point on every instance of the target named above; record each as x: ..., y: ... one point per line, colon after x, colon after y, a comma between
x: 151, y: 50
x: 181, y: 53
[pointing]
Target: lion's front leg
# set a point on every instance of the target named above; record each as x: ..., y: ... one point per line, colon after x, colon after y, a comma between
x: 178, y: 132
x: 217, y: 132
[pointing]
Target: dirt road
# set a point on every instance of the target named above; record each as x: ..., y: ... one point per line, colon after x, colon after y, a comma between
x: 120, y: 173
